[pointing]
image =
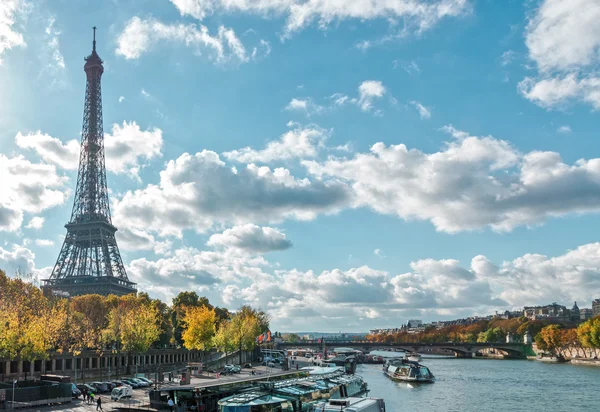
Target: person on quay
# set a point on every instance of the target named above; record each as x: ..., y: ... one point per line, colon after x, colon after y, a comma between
x: 99, y: 403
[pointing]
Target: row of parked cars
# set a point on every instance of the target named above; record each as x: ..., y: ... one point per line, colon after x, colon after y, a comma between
x: 105, y: 387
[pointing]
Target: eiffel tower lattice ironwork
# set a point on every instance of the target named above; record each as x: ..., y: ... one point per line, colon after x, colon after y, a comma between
x: 89, y: 261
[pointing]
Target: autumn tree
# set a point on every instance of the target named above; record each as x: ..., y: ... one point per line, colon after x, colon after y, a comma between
x: 247, y: 324
x: 589, y: 333
x: 21, y: 306
x: 223, y: 339
x: 199, y: 328
x: 551, y: 336
x: 133, y: 325
x: 569, y: 340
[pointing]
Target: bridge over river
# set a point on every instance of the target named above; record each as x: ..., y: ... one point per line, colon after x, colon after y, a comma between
x: 461, y: 350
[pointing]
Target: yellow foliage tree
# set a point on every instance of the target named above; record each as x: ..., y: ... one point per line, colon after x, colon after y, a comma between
x: 199, y: 328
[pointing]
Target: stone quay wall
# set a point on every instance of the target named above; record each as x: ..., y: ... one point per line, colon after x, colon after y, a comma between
x: 574, y: 352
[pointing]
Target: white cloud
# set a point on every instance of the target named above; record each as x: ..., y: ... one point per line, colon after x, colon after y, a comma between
x: 195, y: 270
x: 301, y: 142
x: 127, y: 144
x: 27, y: 187
x: 121, y: 99
x: 564, y: 129
x: 36, y: 222
x: 196, y: 191
x: 251, y: 238
x: 558, y: 91
x: 564, y: 35
x: 563, y: 39
x: 9, y: 38
x: 368, y: 92
x: 19, y: 258
x: 424, y: 112
x: 50, y: 149
x: 44, y: 242
x: 125, y: 147
x: 58, y: 61
x: 378, y: 253
x: 417, y: 14
x: 474, y: 182
x: 297, y: 104
x: 410, y: 67
x: 297, y: 299
x: 507, y: 57
x: 140, y: 35
x: 132, y: 239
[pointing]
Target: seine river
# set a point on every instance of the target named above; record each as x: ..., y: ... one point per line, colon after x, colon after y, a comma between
x: 486, y: 385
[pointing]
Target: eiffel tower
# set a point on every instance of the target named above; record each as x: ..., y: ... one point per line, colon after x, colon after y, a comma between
x: 89, y: 260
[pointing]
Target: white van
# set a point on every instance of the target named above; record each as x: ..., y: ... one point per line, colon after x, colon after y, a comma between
x: 121, y: 392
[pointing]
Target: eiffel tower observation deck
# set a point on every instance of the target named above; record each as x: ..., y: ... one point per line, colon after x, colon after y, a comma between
x: 89, y: 260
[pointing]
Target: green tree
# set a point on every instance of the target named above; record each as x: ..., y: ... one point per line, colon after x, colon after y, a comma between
x: 490, y: 335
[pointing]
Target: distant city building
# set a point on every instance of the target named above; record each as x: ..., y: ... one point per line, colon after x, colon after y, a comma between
x: 575, y: 314
x: 414, y: 323
x: 510, y: 314
x: 585, y: 314
x: 551, y: 312
x: 596, y: 307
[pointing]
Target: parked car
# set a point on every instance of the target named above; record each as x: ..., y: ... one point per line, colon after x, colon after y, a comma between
x: 269, y: 364
x: 83, y: 387
x: 100, y: 387
x: 148, y: 381
x: 110, y: 385
x: 247, y: 366
x: 75, y: 392
x: 117, y: 384
x: 140, y: 382
x: 236, y: 369
x: 131, y: 383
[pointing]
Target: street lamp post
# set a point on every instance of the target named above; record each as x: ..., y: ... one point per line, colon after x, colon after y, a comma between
x: 12, y: 405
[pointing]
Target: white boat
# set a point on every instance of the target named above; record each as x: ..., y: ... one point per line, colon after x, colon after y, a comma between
x: 407, y: 371
x: 412, y: 356
x: 352, y: 405
x: 550, y: 358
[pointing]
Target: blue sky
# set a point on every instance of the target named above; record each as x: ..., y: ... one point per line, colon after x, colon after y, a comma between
x: 343, y: 165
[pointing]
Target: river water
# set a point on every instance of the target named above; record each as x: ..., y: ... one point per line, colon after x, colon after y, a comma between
x: 486, y: 385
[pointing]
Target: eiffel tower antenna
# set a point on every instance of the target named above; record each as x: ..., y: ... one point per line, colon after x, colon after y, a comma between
x: 89, y: 260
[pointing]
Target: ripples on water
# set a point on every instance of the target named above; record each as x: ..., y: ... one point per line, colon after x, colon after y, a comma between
x: 486, y: 385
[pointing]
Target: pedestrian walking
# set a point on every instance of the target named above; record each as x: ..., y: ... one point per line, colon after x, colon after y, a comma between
x: 170, y: 403
x: 99, y: 403
x: 91, y: 398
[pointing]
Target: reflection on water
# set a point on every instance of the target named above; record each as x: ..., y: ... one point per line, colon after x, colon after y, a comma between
x: 486, y: 385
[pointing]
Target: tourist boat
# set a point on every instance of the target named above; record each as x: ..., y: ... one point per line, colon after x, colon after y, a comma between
x: 299, y: 394
x: 412, y: 356
x: 406, y: 371
x: 352, y: 405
